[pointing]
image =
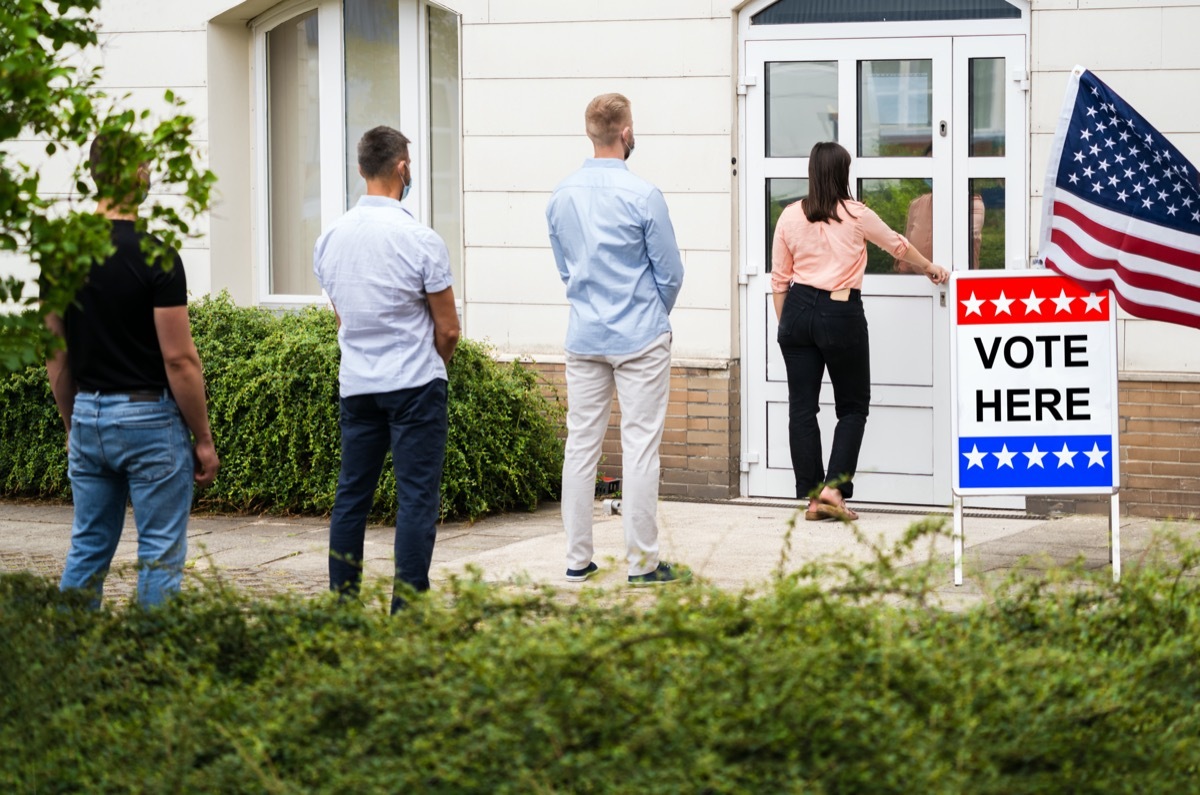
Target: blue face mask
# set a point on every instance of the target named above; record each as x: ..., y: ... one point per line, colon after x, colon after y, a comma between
x: 407, y: 185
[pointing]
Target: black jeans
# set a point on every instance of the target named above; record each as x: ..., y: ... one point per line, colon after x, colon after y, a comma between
x: 816, y: 332
x: 412, y: 423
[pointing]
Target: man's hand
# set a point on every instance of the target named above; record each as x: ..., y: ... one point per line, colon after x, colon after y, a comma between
x: 207, y: 463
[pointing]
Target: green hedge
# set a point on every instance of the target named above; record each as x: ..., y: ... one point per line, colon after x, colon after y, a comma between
x: 273, y: 403
x: 832, y: 681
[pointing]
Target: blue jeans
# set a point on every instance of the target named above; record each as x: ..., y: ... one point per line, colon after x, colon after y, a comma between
x: 412, y: 423
x: 815, y: 333
x: 126, y: 450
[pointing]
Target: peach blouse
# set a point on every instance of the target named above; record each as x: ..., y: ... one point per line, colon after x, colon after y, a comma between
x: 830, y: 256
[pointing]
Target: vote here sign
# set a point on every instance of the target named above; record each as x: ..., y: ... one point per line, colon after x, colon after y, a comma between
x: 1034, y: 384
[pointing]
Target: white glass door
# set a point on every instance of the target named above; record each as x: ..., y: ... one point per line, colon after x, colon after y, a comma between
x: 921, y: 141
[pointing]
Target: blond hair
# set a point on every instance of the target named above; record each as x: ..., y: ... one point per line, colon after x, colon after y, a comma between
x: 606, y: 116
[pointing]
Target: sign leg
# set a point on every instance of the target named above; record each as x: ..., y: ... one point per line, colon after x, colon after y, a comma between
x: 958, y: 539
x: 1114, y: 541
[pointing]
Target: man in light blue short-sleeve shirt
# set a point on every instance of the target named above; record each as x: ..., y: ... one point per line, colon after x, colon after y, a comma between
x: 616, y: 253
x: 388, y: 277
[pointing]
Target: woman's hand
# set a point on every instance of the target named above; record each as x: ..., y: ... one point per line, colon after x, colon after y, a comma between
x: 937, y: 275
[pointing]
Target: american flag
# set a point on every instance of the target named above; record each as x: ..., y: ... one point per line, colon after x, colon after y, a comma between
x: 1122, y: 207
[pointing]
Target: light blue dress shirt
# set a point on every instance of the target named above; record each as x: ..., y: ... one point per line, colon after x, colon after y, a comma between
x: 377, y: 263
x: 616, y: 252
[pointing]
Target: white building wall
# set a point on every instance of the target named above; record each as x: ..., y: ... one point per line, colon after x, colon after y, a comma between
x: 1147, y: 52
x: 147, y: 47
x: 529, y: 69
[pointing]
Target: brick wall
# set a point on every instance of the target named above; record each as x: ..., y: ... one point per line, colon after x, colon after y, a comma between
x: 1160, y: 448
x: 1160, y: 454
x: 702, y: 438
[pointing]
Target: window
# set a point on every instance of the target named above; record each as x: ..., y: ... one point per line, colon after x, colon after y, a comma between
x: 329, y: 70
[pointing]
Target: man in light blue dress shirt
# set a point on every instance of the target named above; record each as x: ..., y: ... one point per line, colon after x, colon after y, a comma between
x: 616, y: 252
x: 388, y: 277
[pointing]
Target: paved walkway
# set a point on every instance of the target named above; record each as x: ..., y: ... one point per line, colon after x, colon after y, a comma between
x: 733, y: 544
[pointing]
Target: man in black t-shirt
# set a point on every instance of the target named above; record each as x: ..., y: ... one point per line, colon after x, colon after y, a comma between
x: 129, y: 388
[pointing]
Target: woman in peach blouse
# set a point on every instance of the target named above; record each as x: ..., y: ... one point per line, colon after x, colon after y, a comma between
x: 818, y: 259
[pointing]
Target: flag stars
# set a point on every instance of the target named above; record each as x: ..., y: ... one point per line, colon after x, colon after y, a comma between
x: 1109, y: 143
x: 1079, y: 157
x: 1073, y: 179
x: 972, y: 304
x: 1091, y: 112
x: 1123, y: 196
x: 1094, y: 149
x: 1002, y: 304
x: 1172, y: 210
x: 1113, y: 180
x: 1147, y: 203
x: 1085, y: 135
x: 1096, y: 187
x: 1103, y: 165
x: 1124, y: 136
x: 1088, y: 172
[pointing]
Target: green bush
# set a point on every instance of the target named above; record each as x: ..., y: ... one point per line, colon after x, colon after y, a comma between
x: 273, y: 403
x: 839, y: 679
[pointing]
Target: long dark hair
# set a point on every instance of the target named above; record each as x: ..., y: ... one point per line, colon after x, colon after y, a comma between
x: 828, y: 182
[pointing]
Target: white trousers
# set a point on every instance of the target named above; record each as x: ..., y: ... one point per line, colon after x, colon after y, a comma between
x: 643, y: 382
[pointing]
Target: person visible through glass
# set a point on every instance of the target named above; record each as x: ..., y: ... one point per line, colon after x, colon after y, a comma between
x: 818, y: 259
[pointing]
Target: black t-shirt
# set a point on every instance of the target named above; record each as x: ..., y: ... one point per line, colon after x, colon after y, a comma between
x: 112, y: 343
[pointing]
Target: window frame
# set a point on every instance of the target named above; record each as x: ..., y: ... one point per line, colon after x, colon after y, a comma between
x: 414, y: 121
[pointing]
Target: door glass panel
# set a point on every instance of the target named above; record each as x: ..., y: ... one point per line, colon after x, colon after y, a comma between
x: 906, y: 205
x: 445, y: 133
x: 895, y: 108
x: 807, y: 12
x: 372, y: 33
x: 986, y: 104
x: 802, y: 106
x: 781, y: 193
x: 294, y: 154
x: 987, y: 224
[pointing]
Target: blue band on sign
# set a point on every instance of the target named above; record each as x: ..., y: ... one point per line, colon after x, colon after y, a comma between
x: 1037, y: 462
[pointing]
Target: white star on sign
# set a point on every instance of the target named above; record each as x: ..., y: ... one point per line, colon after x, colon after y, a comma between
x: 1065, y: 458
x: 975, y: 457
x: 1063, y: 302
x: 1035, y: 457
x: 973, y: 305
x: 1002, y: 304
x: 1033, y: 304
x: 1095, y: 456
x: 1005, y: 457
x: 1093, y: 301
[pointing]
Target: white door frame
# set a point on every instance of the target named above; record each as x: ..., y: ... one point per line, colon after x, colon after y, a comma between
x: 967, y: 43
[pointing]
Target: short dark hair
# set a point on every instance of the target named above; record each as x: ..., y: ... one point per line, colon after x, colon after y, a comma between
x: 109, y: 153
x: 828, y: 182
x: 379, y: 150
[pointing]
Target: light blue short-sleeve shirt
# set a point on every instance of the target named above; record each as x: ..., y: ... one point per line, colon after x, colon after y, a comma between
x: 377, y: 264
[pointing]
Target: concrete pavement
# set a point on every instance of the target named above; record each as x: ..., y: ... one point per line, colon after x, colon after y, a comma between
x: 734, y: 544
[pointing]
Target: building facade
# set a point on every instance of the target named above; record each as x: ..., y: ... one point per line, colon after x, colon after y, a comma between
x: 949, y: 114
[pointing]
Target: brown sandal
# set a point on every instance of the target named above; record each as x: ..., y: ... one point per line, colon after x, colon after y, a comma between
x: 828, y: 510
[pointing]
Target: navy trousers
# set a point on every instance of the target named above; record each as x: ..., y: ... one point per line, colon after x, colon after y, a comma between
x: 412, y: 424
